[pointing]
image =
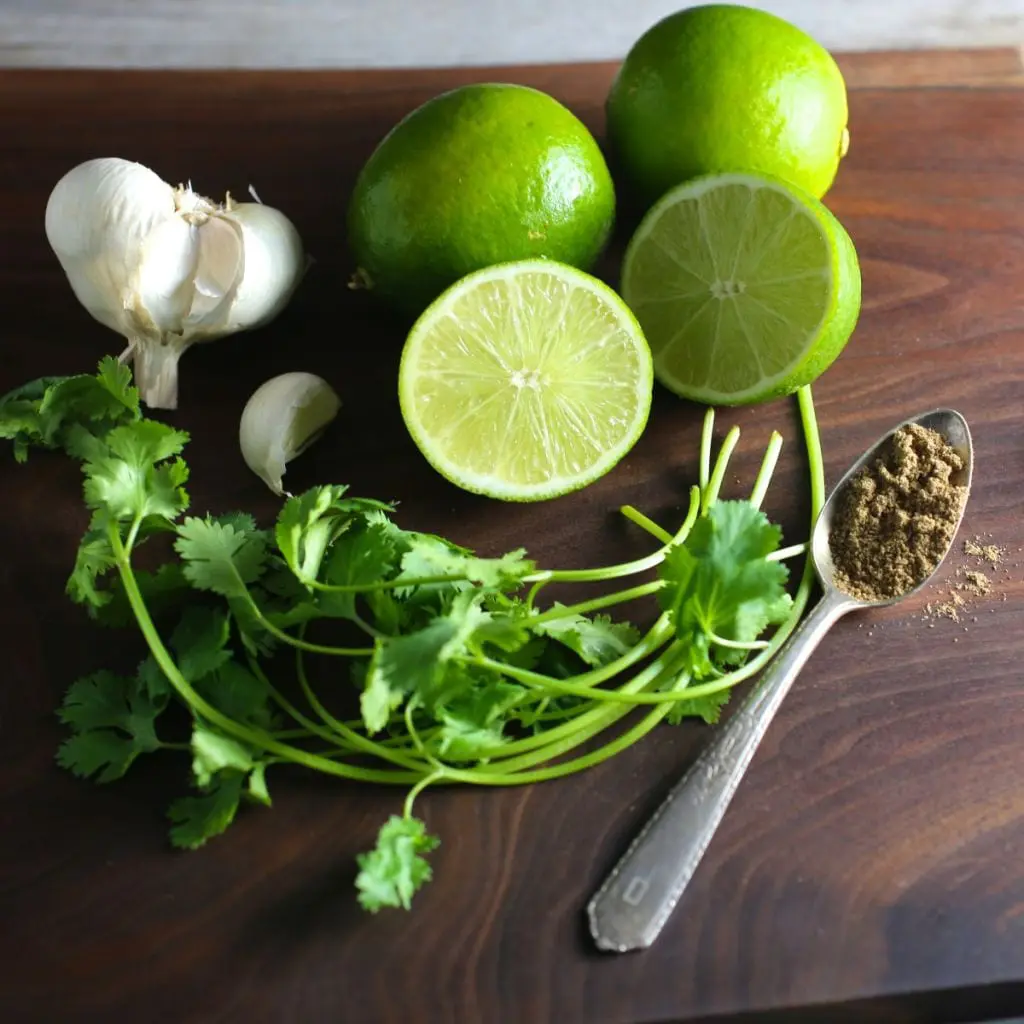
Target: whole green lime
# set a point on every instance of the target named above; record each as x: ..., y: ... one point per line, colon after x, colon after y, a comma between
x: 721, y: 88
x: 484, y: 174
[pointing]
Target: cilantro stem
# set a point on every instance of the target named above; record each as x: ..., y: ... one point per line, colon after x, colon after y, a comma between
x: 365, y: 626
x: 542, y: 682
x: 721, y: 641
x: 538, y: 586
x: 809, y: 420
x: 783, y: 553
x: 421, y: 747
x: 311, y: 727
x: 582, y: 731
x: 632, y: 568
x: 360, y: 743
x: 654, y: 639
x: 133, y: 534
x: 290, y: 734
x: 578, y: 764
x: 394, y: 584
x: 599, y: 711
x: 634, y: 515
x: 596, y: 603
x: 410, y: 798
x: 303, y: 645
x: 718, y: 473
x: 768, y: 464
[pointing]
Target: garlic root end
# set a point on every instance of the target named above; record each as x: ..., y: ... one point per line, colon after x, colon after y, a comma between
x: 156, y: 374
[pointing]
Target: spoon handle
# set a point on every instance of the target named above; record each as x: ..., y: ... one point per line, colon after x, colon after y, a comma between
x: 636, y: 899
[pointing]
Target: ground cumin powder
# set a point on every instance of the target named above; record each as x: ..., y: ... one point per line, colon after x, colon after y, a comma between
x: 897, y: 516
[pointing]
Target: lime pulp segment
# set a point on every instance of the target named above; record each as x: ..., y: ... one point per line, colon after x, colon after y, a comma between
x: 526, y: 380
x: 735, y: 280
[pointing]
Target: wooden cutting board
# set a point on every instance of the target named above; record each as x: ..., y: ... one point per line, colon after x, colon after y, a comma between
x: 870, y: 866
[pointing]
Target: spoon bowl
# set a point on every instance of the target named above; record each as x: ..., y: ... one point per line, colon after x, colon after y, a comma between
x: 953, y: 428
x: 631, y: 907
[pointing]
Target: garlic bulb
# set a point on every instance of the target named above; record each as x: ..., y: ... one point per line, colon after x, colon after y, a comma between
x: 166, y: 267
x: 281, y: 420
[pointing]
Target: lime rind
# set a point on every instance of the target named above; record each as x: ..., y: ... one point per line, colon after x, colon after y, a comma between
x: 565, y: 433
x: 805, y: 318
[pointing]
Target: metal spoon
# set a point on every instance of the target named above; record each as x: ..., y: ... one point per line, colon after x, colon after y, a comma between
x: 635, y: 901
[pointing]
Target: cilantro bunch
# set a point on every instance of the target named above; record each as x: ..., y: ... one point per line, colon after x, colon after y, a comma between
x: 340, y: 642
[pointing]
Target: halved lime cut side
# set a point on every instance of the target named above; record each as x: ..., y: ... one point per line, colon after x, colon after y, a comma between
x: 745, y: 288
x: 525, y: 381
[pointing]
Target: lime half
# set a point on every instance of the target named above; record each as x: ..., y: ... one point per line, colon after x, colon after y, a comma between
x: 746, y: 288
x: 525, y: 381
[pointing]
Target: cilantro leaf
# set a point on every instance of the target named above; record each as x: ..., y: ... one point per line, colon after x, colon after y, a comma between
x: 200, y: 640
x: 390, y: 874
x: 555, y: 711
x: 159, y: 590
x: 213, y: 752
x: 219, y: 556
x: 473, y: 721
x: 51, y: 411
x: 20, y: 421
x: 362, y: 555
x: 102, y: 753
x: 430, y: 556
x: 389, y: 613
x: 199, y: 818
x: 113, y: 719
x: 238, y: 693
x: 257, y: 788
x: 709, y: 707
x: 98, y: 400
x: 146, y: 442
x: 308, y: 523
x: 225, y: 770
x: 94, y: 558
x: 131, y: 479
x: 597, y: 640
x: 201, y: 646
x: 721, y: 584
x: 153, y: 682
x: 416, y: 662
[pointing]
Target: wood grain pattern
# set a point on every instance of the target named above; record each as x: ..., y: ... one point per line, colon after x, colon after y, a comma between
x: 869, y: 867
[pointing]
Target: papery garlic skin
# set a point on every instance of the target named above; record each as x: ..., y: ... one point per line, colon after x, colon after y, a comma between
x: 166, y: 267
x: 282, y: 418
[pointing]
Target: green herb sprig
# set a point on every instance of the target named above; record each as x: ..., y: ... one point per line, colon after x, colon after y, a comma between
x: 438, y: 667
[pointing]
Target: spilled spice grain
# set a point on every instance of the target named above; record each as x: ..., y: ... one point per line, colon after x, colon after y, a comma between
x: 969, y: 583
x: 947, y: 609
x: 977, y: 583
x: 896, y: 518
x: 986, y: 552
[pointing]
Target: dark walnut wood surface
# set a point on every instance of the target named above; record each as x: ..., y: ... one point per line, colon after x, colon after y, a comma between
x: 871, y: 865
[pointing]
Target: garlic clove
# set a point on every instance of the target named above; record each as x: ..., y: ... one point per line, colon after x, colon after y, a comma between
x: 275, y: 263
x: 163, y: 285
x: 219, y: 269
x: 97, y: 219
x: 282, y: 418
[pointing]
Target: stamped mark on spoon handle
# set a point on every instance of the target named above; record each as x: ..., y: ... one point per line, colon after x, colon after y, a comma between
x: 632, y: 906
